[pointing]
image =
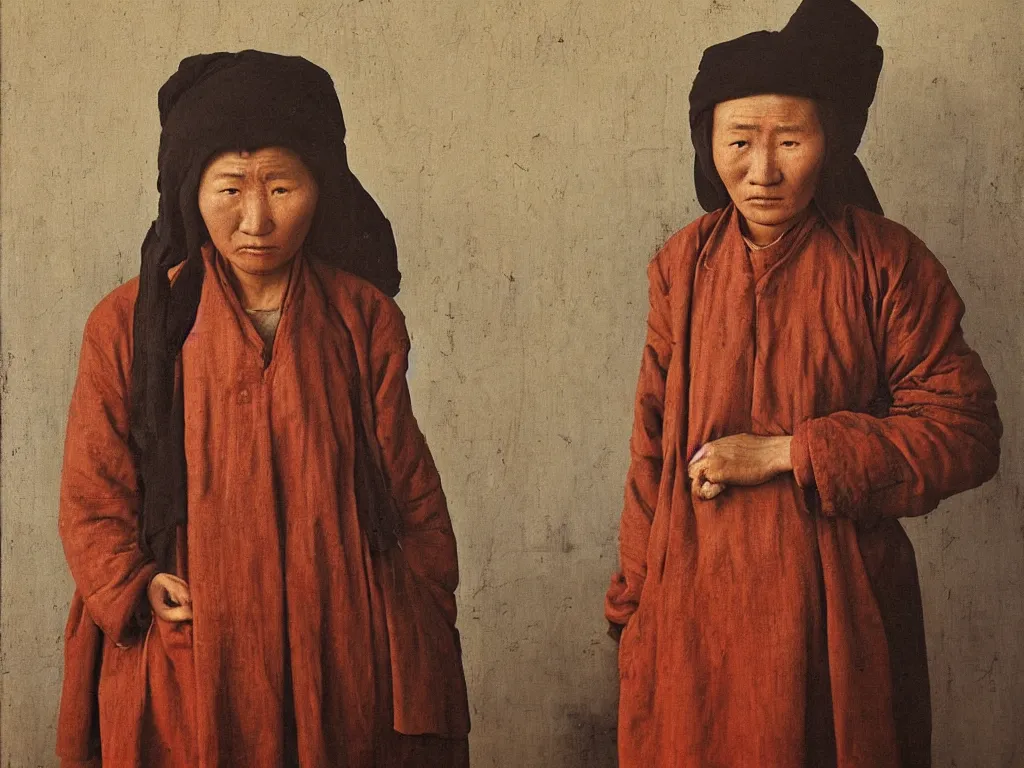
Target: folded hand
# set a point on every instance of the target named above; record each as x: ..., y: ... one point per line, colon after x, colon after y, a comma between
x: 170, y: 598
x: 738, y: 460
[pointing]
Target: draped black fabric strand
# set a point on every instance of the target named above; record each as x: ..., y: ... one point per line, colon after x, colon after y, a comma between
x: 827, y: 52
x: 234, y: 102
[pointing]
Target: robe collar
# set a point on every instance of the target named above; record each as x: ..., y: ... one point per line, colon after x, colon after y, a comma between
x: 726, y: 232
x: 218, y: 267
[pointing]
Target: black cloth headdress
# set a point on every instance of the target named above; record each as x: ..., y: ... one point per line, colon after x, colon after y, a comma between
x: 828, y: 52
x: 214, y: 103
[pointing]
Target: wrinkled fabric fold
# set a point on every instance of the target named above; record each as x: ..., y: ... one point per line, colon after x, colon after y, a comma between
x: 236, y: 102
x: 781, y: 624
x: 296, y: 619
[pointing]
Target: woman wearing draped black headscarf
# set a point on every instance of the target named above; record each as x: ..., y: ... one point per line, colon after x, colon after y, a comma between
x: 264, y: 561
x: 805, y: 382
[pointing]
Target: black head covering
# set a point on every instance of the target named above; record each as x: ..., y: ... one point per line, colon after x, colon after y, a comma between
x: 827, y: 52
x: 219, y: 102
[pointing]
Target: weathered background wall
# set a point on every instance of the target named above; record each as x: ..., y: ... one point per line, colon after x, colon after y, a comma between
x: 531, y: 156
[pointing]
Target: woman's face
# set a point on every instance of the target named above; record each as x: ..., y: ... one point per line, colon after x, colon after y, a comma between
x: 769, y: 151
x: 258, y: 207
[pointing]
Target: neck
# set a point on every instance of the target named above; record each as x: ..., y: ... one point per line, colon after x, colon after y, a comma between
x: 260, y: 291
x: 766, y: 234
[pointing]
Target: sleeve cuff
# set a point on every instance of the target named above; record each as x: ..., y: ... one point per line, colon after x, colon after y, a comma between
x: 800, y: 456
x: 118, y: 613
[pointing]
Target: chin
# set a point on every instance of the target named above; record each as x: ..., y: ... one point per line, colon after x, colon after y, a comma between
x: 259, y: 265
x: 771, y: 217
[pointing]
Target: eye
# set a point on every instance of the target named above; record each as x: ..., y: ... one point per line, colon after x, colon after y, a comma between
x: 739, y: 144
x: 229, y: 191
x: 280, y: 190
x: 791, y: 143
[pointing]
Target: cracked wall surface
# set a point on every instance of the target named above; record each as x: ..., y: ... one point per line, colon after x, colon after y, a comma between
x: 531, y: 156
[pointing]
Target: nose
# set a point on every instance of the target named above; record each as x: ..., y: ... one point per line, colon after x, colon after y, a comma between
x: 257, y: 220
x: 764, y: 168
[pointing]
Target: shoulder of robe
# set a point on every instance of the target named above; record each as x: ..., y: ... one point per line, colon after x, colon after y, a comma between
x: 887, y: 246
x: 376, y: 309
x: 111, y: 319
x: 107, y: 337
x: 682, y: 250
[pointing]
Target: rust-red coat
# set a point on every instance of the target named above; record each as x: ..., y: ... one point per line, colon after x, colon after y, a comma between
x: 781, y: 625
x: 304, y: 645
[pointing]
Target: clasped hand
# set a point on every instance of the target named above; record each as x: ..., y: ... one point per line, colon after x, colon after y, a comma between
x: 170, y: 598
x: 738, y: 460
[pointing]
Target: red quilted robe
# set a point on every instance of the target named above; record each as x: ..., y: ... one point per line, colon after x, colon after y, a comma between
x: 305, y: 646
x: 781, y: 626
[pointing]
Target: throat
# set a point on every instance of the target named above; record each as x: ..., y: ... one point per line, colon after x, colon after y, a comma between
x: 266, y: 322
x: 261, y: 294
x: 759, y: 236
x: 260, y: 291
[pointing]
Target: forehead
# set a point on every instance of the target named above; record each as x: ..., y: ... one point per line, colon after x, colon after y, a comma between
x: 278, y: 159
x: 765, y: 110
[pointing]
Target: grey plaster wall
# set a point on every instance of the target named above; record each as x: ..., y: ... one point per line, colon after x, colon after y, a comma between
x: 531, y: 155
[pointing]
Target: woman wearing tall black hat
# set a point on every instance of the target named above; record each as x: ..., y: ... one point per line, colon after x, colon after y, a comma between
x: 805, y: 383
x: 264, y: 561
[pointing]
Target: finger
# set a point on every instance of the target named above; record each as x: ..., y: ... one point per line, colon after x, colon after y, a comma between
x: 696, y: 470
x: 710, y: 469
x: 179, y: 594
x: 175, y: 615
x: 161, y: 583
x: 184, y: 613
x: 714, y: 472
x: 699, y: 454
x: 170, y: 578
x: 177, y: 590
x: 710, y: 490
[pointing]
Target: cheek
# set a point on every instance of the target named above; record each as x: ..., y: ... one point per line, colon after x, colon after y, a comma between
x: 218, y: 218
x: 802, y: 172
x: 308, y: 207
x: 730, y: 170
x: 810, y: 167
x: 297, y: 215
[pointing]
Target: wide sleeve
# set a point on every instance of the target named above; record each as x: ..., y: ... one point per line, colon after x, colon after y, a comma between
x: 646, y: 458
x: 99, y: 499
x: 941, y: 433
x: 427, y: 540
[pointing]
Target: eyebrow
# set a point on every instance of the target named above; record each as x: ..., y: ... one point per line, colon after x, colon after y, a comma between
x: 786, y: 128
x: 271, y: 176
x: 277, y: 175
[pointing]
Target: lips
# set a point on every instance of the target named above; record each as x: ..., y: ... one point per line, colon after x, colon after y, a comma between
x: 257, y: 250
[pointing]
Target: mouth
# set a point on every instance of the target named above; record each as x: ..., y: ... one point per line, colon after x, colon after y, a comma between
x: 764, y: 200
x: 257, y: 250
